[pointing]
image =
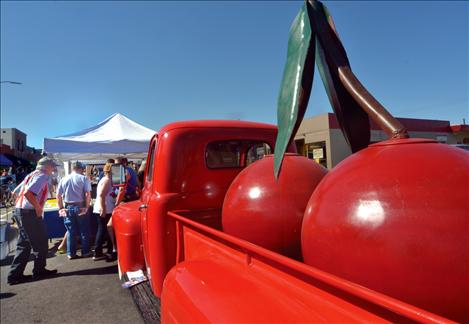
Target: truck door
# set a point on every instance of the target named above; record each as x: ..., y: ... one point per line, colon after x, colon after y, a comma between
x: 147, y: 192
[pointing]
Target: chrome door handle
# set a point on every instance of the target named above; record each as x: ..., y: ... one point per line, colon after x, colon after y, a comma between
x: 143, y: 206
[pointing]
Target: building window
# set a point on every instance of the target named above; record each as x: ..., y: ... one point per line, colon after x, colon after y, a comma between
x: 314, y: 151
x: 317, y: 151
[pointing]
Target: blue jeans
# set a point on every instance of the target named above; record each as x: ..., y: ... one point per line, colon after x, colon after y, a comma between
x: 77, y: 224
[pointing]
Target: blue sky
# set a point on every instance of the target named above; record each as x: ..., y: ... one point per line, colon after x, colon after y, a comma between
x: 158, y: 62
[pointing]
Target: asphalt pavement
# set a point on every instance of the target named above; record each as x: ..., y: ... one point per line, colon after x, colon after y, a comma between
x: 84, y: 291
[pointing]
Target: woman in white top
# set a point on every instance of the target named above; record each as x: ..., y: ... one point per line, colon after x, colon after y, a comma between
x: 102, y: 209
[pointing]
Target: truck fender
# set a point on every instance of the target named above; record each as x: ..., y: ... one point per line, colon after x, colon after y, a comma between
x: 126, y: 224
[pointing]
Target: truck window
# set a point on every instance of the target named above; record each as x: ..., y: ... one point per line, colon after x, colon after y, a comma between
x: 234, y: 154
x: 150, y: 162
x: 257, y: 152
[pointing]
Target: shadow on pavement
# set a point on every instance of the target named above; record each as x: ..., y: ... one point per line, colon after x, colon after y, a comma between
x: 87, y: 272
x: 6, y: 295
x: 51, y: 253
x: 96, y: 271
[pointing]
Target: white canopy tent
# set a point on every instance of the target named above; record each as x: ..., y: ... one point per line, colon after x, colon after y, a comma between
x: 115, y: 136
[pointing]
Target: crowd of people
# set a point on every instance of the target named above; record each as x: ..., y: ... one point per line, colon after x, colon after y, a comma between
x: 9, y: 177
x: 74, y: 202
x: 14, y: 174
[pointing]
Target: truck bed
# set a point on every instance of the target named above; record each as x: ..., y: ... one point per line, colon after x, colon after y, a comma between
x: 221, y: 278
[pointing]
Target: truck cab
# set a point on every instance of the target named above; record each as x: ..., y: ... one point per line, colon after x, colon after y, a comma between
x: 190, y: 166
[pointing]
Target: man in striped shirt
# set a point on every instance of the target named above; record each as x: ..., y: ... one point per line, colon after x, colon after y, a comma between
x: 29, y: 218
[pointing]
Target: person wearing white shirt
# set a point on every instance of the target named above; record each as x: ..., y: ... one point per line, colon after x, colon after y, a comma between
x: 102, y: 210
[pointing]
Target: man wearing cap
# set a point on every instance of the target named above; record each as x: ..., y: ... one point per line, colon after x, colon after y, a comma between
x: 74, y: 198
x: 32, y: 195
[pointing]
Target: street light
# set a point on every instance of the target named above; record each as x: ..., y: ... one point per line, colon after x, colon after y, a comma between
x: 11, y: 82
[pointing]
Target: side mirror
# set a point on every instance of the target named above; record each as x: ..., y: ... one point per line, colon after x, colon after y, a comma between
x: 117, y: 175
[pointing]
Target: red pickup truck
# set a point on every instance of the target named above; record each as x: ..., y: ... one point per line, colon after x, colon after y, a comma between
x: 383, y: 236
x: 203, y: 274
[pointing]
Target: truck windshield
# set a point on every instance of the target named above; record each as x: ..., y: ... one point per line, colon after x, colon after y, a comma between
x: 235, y: 153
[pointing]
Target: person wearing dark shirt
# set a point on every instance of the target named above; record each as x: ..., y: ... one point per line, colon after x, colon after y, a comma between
x: 141, y: 174
x: 129, y: 192
x: 20, y: 175
x: 4, y: 180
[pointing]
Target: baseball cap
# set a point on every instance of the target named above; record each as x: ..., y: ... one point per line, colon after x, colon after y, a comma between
x: 78, y: 165
x: 47, y: 161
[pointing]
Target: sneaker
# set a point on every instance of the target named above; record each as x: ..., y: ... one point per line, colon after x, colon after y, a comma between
x: 20, y: 279
x: 73, y: 257
x: 44, y: 274
x: 87, y: 255
x: 110, y: 257
x: 98, y: 256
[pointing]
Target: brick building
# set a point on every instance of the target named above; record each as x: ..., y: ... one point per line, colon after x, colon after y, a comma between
x: 13, y: 145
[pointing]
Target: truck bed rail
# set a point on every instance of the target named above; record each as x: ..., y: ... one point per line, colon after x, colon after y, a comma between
x: 387, y: 307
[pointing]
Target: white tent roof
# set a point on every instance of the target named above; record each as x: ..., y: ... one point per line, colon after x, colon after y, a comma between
x: 117, y: 135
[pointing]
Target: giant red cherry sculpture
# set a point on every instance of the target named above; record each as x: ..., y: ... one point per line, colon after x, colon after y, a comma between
x: 395, y: 218
x: 269, y: 212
